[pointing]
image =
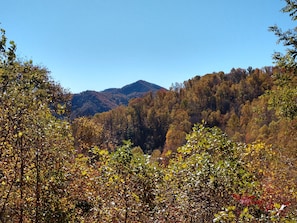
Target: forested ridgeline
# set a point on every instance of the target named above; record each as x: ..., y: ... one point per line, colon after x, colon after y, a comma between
x: 216, y: 148
x: 88, y: 103
x: 241, y: 103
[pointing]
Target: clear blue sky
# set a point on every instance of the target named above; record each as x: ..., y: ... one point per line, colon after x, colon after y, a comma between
x: 98, y: 44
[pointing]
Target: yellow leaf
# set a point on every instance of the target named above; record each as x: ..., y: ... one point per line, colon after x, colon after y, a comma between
x: 276, y: 205
x: 136, y: 197
x: 167, y: 177
x: 103, y: 152
x: 184, y: 165
x: 20, y: 134
x: 84, y: 173
x: 168, y: 153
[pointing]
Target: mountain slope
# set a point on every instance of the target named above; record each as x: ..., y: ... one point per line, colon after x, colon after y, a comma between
x: 88, y: 103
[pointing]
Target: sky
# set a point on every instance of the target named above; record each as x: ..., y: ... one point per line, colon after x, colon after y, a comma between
x: 100, y: 44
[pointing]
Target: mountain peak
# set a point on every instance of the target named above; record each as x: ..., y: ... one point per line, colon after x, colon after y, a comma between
x: 139, y: 87
x: 88, y: 103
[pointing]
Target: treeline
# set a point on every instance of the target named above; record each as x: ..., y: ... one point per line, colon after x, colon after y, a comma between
x: 240, y: 103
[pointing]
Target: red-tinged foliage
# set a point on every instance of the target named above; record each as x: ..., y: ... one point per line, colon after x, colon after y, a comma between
x: 246, y: 200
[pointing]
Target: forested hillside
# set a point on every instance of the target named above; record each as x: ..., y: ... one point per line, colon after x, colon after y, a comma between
x: 240, y: 103
x: 216, y: 148
x: 88, y: 103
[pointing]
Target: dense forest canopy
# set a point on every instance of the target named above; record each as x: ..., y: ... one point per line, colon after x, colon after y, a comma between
x: 216, y: 148
x: 241, y: 103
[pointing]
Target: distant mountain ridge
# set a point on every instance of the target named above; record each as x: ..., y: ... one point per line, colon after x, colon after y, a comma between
x: 88, y: 103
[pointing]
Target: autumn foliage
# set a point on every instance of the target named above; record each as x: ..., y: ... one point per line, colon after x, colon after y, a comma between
x: 216, y: 148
